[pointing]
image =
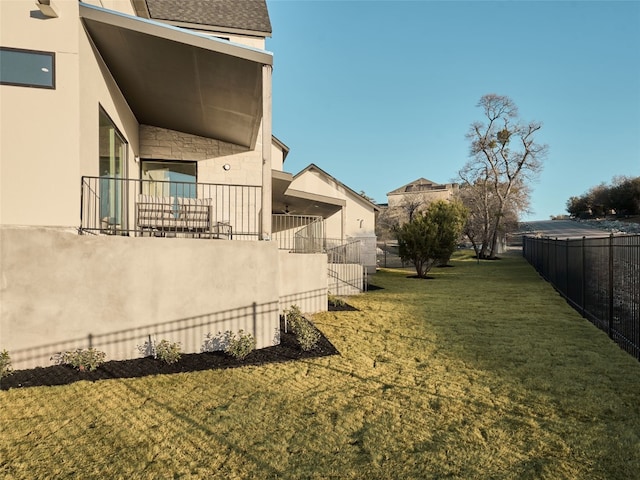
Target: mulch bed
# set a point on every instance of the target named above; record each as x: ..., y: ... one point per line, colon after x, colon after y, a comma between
x: 288, y: 350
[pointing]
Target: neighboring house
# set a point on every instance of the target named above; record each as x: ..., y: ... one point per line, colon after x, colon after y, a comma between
x: 406, y: 201
x: 353, y: 221
x: 413, y: 197
x: 314, y: 212
x: 420, y: 192
x: 145, y: 126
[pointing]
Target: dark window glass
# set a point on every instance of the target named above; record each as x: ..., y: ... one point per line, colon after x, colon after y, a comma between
x: 27, y: 68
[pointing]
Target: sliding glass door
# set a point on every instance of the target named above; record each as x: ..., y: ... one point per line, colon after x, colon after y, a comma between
x: 113, y: 151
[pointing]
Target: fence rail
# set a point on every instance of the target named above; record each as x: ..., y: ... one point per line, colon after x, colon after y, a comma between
x: 599, y: 277
x: 118, y: 206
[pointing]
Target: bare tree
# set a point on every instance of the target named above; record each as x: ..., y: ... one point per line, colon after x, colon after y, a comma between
x: 504, y: 156
x: 411, y: 204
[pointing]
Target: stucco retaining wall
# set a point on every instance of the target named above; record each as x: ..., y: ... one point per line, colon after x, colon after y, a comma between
x: 345, y: 279
x: 57, y: 288
x: 303, y: 281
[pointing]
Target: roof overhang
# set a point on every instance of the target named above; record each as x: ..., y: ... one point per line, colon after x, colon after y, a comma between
x: 296, y: 202
x: 181, y: 80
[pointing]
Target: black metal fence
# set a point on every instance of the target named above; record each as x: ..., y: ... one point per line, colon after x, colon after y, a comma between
x: 388, y: 256
x: 599, y: 277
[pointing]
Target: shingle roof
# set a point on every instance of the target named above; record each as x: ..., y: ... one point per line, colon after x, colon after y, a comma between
x: 249, y: 15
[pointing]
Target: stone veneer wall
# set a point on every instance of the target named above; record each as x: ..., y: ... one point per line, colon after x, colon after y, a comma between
x: 211, y: 154
x: 160, y: 143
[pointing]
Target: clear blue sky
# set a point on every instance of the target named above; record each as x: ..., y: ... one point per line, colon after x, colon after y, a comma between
x: 379, y: 93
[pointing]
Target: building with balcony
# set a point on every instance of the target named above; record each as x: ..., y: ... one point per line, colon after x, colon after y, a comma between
x: 139, y: 175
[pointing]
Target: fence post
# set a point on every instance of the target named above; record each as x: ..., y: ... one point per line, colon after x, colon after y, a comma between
x: 610, y: 322
x: 90, y: 338
x: 584, y: 281
x: 385, y: 254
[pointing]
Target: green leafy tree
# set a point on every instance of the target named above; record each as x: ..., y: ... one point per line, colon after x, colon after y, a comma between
x: 577, y: 206
x: 625, y: 195
x: 622, y: 197
x: 431, y: 236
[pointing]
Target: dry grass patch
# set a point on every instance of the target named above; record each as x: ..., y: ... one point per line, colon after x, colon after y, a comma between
x: 483, y: 372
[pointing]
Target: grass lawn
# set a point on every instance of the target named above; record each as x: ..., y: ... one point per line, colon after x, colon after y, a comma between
x: 482, y: 372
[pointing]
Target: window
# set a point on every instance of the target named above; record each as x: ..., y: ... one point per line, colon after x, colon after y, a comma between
x: 175, y: 179
x: 27, y: 68
x: 113, y: 151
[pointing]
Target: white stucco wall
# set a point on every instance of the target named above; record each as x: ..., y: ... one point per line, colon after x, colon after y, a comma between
x: 277, y: 157
x: 58, y: 287
x: 49, y: 137
x: 39, y: 127
x: 346, y: 279
x: 358, y: 218
x: 303, y: 281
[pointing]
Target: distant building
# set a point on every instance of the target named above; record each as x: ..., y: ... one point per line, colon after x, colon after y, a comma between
x: 420, y: 192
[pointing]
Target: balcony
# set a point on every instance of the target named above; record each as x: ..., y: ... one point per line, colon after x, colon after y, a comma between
x: 153, y: 208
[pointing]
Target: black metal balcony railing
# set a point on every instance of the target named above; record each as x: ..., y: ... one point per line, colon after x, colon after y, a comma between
x: 117, y: 206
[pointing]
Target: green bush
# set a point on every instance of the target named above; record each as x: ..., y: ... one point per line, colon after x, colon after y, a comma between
x: 336, y: 301
x: 5, y: 364
x: 165, y: 350
x: 168, y: 351
x: 239, y: 345
x: 81, y: 358
x: 306, y: 334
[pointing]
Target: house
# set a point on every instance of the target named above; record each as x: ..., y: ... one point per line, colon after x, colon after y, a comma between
x: 139, y: 175
x: 403, y: 202
x: 421, y: 191
x: 354, y: 221
x: 315, y: 212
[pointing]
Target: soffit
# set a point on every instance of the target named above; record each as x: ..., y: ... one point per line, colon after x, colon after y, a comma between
x: 296, y: 202
x: 179, y: 80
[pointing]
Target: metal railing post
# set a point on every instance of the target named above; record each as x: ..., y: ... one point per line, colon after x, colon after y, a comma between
x: 610, y: 289
x: 584, y: 278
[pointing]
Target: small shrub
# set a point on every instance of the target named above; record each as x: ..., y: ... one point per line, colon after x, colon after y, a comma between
x: 168, y: 352
x: 306, y: 334
x: 164, y: 350
x: 5, y: 364
x: 240, y: 344
x: 335, y: 301
x: 291, y: 316
x: 81, y: 358
x: 237, y: 345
